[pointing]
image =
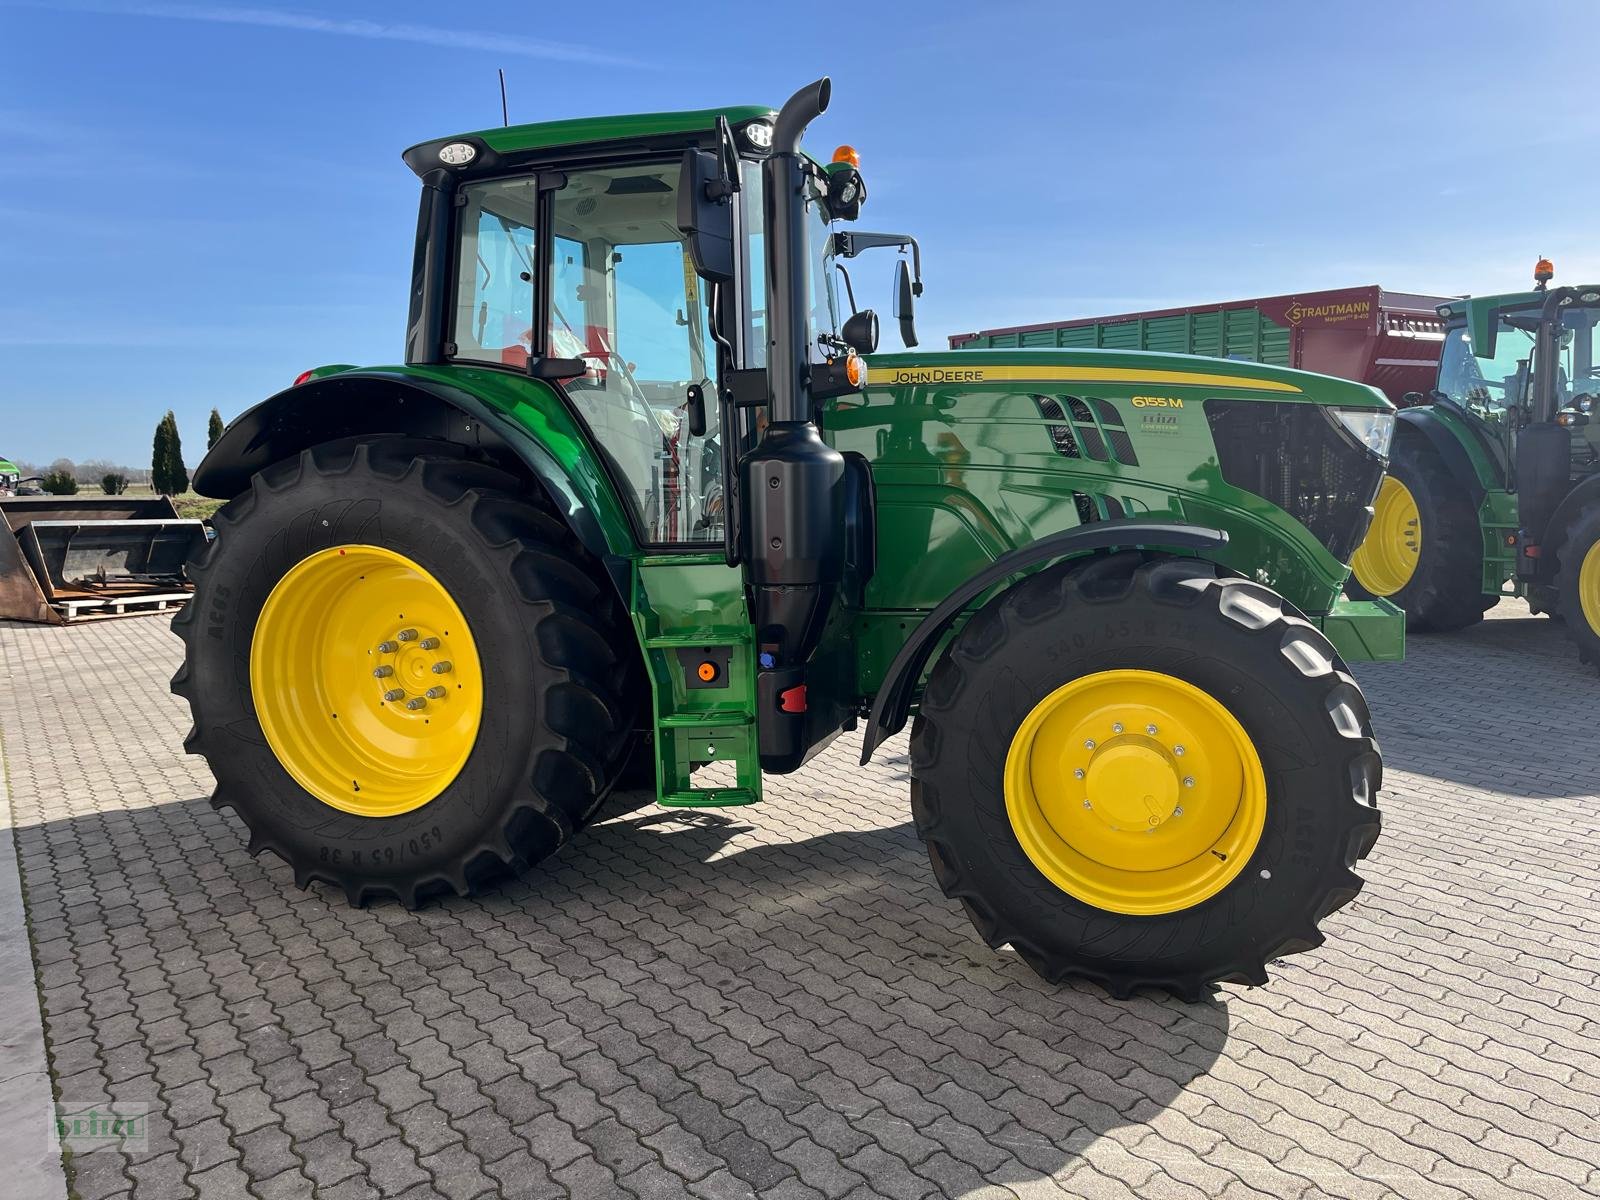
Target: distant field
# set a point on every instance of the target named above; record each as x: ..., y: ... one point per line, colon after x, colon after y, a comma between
x: 189, y: 504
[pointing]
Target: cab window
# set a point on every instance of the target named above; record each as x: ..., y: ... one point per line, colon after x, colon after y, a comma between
x: 493, y: 318
x: 627, y: 302
x: 1485, y: 383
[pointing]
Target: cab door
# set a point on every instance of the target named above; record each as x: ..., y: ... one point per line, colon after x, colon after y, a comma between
x: 625, y: 301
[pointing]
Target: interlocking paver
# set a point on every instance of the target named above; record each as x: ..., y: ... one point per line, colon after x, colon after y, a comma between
x: 778, y: 1002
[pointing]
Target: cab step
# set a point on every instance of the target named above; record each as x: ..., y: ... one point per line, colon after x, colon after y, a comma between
x: 709, y: 798
x: 702, y: 669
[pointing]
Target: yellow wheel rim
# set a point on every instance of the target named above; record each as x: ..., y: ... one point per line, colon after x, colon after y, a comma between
x: 1135, y: 792
x: 1589, y: 587
x: 1387, y: 556
x: 366, y: 680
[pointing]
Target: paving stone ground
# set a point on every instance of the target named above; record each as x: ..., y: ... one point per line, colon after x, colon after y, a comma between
x: 779, y: 1002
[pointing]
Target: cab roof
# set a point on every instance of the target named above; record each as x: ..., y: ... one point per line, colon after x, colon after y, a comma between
x: 513, y: 139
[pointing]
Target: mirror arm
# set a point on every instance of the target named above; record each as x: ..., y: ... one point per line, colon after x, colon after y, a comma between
x: 848, y: 243
x: 849, y: 291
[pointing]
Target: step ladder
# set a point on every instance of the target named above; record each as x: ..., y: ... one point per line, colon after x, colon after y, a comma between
x: 689, y: 612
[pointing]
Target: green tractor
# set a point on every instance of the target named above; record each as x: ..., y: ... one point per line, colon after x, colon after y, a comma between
x: 642, y: 498
x: 1497, y: 479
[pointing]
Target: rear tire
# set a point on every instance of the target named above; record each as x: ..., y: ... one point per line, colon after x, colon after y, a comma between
x: 1578, y: 583
x: 1234, y: 640
x: 560, y: 680
x: 1445, y: 590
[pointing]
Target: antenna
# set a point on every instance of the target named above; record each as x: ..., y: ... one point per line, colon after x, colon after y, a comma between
x: 505, y: 113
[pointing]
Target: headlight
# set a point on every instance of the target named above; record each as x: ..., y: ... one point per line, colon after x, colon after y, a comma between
x: 759, y: 134
x: 1372, y: 427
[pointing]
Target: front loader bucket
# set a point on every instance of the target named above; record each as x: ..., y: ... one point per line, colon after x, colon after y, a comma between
x: 64, y: 559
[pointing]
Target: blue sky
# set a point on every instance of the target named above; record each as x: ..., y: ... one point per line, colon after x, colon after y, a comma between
x: 202, y: 199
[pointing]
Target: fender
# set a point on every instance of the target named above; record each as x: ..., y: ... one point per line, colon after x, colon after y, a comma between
x: 1447, y: 444
x: 429, y: 402
x: 1583, y: 495
x: 893, y: 702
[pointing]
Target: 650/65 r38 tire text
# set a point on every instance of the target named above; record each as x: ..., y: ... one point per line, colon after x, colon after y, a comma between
x: 404, y: 672
x: 1143, y: 772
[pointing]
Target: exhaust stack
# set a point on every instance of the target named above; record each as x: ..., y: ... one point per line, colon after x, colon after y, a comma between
x: 793, y: 482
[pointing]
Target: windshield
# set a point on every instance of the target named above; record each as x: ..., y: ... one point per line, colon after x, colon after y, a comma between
x: 1490, y: 385
x: 819, y: 231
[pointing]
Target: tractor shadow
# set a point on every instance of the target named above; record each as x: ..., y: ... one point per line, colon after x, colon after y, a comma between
x: 841, y: 974
x: 1486, y: 707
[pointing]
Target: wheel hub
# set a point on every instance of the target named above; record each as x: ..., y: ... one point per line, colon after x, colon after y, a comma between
x: 1131, y: 784
x: 1134, y: 791
x: 366, y: 680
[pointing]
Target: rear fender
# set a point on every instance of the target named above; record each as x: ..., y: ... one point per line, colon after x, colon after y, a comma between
x: 473, y: 411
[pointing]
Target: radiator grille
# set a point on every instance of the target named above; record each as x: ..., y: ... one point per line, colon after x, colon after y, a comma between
x: 1298, y: 457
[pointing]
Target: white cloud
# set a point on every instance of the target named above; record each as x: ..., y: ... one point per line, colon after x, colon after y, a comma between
x: 356, y: 27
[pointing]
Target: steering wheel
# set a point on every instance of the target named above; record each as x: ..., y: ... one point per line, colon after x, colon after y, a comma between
x: 611, y: 360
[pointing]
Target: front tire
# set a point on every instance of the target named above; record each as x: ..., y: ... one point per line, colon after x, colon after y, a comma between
x: 1577, y: 585
x: 1112, y: 649
x: 403, y: 672
x: 1423, y: 550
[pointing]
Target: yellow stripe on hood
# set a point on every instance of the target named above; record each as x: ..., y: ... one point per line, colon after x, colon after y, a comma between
x: 891, y: 376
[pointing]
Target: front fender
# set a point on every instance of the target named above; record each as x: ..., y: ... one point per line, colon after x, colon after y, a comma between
x: 1458, y: 445
x: 893, y: 701
x: 1585, y: 493
x: 517, y: 421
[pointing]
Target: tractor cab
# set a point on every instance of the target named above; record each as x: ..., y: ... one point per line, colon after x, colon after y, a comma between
x: 10, y: 476
x: 1523, y: 362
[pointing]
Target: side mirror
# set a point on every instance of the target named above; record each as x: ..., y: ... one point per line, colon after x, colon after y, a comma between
x: 861, y: 331
x: 905, y: 303
x: 705, y: 215
x: 1412, y: 399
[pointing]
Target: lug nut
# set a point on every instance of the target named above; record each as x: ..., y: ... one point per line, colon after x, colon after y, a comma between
x: 416, y: 703
x: 1150, y: 729
x: 434, y: 693
x: 407, y: 635
x: 382, y: 672
x: 1086, y: 804
x: 1117, y: 728
x: 1088, y: 744
x: 1079, y: 773
x: 394, y: 694
x: 441, y: 668
x: 388, y: 647
x: 429, y: 643
x: 1178, y: 750
x: 1188, y: 781
x: 1178, y: 811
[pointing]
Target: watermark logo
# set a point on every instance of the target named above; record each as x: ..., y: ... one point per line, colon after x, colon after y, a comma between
x: 83, y: 1127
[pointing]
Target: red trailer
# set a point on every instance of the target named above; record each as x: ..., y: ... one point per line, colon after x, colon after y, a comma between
x: 1390, y: 340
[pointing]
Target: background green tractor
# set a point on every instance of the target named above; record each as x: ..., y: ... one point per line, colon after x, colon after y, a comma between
x: 1498, y: 478
x: 636, y: 503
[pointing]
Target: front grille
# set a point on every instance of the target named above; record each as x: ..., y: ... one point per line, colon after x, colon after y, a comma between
x: 1300, y: 458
